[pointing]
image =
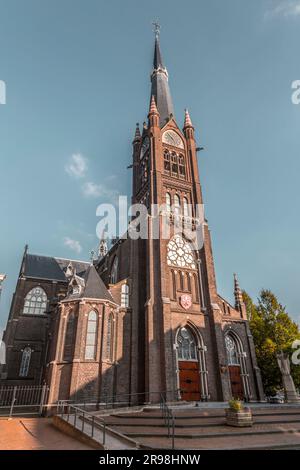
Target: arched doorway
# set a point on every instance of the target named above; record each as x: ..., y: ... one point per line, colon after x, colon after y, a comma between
x: 192, y: 374
x: 239, y: 378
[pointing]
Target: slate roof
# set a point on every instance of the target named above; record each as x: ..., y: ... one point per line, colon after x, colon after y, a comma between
x: 160, y: 87
x: 47, y: 267
x: 92, y: 286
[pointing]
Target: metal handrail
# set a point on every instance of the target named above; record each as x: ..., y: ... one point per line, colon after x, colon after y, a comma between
x: 169, y: 419
x: 84, y: 415
x: 112, y: 400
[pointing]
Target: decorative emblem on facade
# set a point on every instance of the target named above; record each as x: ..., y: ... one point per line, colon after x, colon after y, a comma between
x: 186, y: 301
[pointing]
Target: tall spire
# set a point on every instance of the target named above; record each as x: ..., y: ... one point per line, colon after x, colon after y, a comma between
x: 159, y: 82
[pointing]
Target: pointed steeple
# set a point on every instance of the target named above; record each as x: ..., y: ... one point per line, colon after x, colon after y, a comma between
x: 103, y: 249
x: 237, y: 293
x: 137, y: 134
x: 159, y: 84
x: 187, y: 120
x: 153, y: 107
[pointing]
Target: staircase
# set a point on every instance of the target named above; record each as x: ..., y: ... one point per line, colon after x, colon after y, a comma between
x: 275, y: 427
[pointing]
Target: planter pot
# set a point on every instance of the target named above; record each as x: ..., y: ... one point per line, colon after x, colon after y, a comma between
x: 240, y: 419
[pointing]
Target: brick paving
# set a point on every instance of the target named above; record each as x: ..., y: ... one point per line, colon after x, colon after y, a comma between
x: 35, y: 434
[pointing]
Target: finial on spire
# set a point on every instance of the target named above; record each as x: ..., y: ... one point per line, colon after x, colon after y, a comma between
x: 187, y: 120
x: 137, y: 134
x: 103, y: 249
x: 153, y: 107
x: 156, y: 28
x: 237, y: 292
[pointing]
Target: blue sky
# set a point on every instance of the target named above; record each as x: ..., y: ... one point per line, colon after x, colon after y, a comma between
x: 78, y: 79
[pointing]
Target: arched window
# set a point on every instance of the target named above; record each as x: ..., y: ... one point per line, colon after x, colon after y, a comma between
x: 181, y: 166
x: 25, y: 362
x: 91, y: 336
x: 70, y: 338
x: 176, y: 204
x: 109, y: 338
x: 174, y: 164
x: 231, y: 349
x: 180, y: 253
x: 168, y: 202
x: 186, y: 345
x: 114, y: 271
x: 125, y: 295
x: 167, y: 165
x: 186, y: 211
x: 35, y: 302
x: 174, y: 287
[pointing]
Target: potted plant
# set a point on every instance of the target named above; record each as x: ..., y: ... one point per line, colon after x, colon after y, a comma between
x: 237, y: 414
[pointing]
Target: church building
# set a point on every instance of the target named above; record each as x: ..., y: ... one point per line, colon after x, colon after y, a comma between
x: 145, y: 318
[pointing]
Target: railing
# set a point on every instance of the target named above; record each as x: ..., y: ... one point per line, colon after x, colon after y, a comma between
x: 84, y: 421
x: 106, y: 401
x: 169, y: 419
x: 25, y: 399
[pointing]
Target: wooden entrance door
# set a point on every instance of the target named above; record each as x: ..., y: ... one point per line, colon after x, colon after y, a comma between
x: 189, y: 380
x: 236, y: 382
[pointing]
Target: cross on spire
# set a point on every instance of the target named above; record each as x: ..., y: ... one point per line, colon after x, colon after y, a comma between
x: 156, y: 29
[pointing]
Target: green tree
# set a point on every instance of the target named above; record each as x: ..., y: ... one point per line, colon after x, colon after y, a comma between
x: 273, y: 331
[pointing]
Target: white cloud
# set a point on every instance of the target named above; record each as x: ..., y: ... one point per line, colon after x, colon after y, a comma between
x: 285, y: 8
x: 73, y: 244
x: 91, y: 189
x: 77, y: 165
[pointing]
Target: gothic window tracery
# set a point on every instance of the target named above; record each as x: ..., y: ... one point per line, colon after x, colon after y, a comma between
x: 180, y: 253
x: 174, y: 164
x: 35, y: 302
x: 25, y: 362
x: 231, y: 349
x: 186, y: 344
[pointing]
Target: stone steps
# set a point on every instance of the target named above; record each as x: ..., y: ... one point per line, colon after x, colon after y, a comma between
x: 206, y: 429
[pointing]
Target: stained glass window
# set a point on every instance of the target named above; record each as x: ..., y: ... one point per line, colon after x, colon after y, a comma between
x: 35, y: 302
x: 125, y: 296
x: 91, y: 335
x: 180, y: 253
x: 186, y: 345
x: 232, y: 355
x: 25, y: 362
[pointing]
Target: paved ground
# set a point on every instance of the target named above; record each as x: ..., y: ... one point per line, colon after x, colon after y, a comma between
x: 35, y: 434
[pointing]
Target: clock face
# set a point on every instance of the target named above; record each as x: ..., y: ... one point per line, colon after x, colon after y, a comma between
x: 145, y: 146
x: 172, y: 138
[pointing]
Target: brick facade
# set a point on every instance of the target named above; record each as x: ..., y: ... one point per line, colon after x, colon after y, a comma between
x: 137, y: 347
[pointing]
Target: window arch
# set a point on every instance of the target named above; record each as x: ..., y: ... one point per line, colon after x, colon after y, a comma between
x: 70, y: 338
x: 91, y: 336
x: 167, y: 165
x: 180, y: 253
x: 35, y: 302
x: 186, y: 345
x: 109, y: 337
x: 186, y: 212
x: 25, y: 362
x: 125, y: 295
x: 231, y: 350
x: 176, y: 204
x: 168, y: 202
x: 114, y: 271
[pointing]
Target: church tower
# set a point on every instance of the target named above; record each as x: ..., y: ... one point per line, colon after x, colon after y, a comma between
x: 184, y: 326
